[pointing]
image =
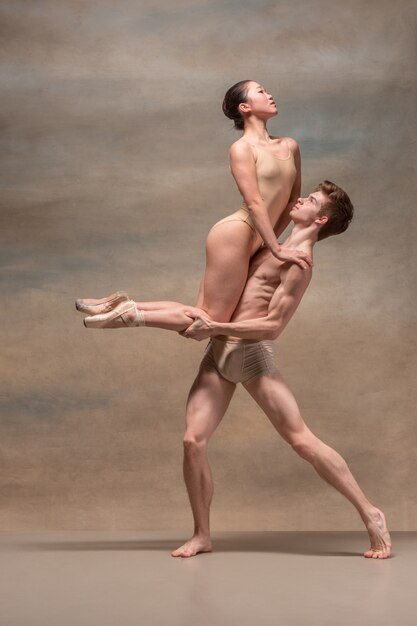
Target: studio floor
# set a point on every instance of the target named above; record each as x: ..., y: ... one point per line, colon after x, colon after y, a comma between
x: 250, y: 579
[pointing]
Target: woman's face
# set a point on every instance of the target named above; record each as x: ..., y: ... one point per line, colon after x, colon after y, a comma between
x: 261, y: 102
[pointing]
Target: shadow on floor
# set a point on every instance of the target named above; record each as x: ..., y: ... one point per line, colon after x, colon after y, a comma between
x: 302, y: 543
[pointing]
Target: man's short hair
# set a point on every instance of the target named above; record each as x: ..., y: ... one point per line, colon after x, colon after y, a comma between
x: 338, y: 208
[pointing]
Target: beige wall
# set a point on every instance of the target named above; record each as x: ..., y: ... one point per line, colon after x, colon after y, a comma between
x: 114, y: 168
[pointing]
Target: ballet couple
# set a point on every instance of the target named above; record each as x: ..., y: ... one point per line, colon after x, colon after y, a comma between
x: 251, y: 287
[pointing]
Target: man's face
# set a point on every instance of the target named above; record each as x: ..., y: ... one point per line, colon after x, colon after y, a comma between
x: 306, y: 210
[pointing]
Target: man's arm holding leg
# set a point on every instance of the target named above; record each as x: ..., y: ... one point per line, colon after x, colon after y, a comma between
x: 282, y: 307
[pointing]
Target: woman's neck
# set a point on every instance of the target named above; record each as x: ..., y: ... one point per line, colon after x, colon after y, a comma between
x: 256, y: 131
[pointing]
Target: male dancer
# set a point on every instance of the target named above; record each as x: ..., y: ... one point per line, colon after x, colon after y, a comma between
x: 241, y: 351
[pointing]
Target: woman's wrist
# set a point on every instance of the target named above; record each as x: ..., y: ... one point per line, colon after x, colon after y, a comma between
x: 276, y: 250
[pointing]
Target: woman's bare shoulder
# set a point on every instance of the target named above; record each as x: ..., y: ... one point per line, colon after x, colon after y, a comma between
x: 292, y: 144
x: 240, y: 145
x: 241, y: 149
x: 289, y: 140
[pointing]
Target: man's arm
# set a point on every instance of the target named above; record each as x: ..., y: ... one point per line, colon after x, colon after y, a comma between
x: 285, y: 219
x: 284, y: 302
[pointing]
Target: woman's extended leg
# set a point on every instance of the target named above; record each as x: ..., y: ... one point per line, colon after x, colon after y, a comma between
x: 167, y: 315
x: 229, y: 248
x: 177, y: 317
x: 158, y: 305
x: 97, y: 306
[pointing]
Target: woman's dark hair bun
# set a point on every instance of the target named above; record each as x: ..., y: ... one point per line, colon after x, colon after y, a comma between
x: 233, y: 97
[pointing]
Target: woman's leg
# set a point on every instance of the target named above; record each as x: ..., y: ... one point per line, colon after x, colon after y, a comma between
x: 167, y: 315
x: 229, y: 248
x: 158, y: 305
x: 98, y: 306
x: 177, y: 317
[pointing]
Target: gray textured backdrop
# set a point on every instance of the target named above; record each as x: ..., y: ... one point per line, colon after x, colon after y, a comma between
x: 114, y: 167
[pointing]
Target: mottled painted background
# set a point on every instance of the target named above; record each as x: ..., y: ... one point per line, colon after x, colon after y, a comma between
x: 114, y: 167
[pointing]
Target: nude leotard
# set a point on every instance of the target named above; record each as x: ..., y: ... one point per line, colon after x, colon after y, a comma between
x: 276, y: 177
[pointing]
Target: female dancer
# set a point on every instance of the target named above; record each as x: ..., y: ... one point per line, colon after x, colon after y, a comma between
x: 267, y: 172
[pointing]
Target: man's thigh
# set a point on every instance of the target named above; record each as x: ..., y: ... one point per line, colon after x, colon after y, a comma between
x: 275, y: 398
x: 207, y: 403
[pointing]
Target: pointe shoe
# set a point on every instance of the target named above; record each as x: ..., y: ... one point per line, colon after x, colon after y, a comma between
x: 93, y: 306
x: 117, y: 318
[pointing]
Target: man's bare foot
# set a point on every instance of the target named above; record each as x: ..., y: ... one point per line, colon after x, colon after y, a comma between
x: 192, y: 547
x: 379, y: 536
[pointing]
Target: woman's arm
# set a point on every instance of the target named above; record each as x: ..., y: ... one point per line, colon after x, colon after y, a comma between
x: 285, y: 219
x: 281, y: 308
x: 242, y: 165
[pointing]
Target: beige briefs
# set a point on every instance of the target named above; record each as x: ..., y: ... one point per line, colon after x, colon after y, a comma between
x: 239, y: 361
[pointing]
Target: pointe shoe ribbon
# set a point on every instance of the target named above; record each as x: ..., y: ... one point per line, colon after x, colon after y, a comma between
x: 122, y: 316
x: 93, y: 306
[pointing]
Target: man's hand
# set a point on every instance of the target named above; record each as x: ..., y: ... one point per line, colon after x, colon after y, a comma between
x: 200, y: 329
x: 295, y: 256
